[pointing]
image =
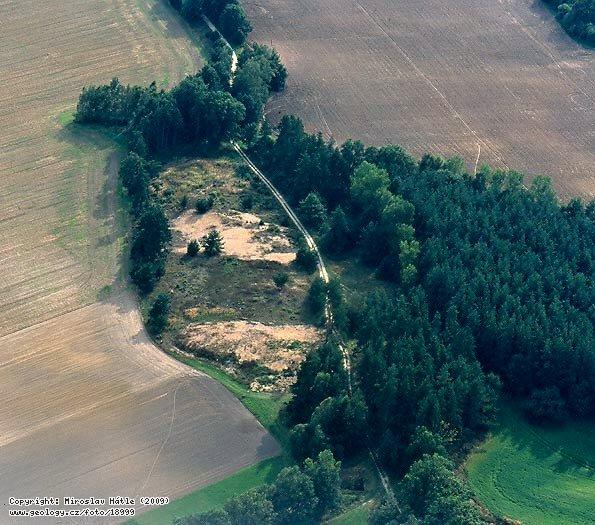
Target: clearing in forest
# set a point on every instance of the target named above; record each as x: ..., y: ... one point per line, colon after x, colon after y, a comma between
x: 243, y: 309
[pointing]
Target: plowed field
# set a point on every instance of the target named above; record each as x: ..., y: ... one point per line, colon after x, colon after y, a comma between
x: 495, y: 82
x: 89, y: 406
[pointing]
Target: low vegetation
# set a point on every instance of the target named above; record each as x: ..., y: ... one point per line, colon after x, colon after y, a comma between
x: 535, y: 474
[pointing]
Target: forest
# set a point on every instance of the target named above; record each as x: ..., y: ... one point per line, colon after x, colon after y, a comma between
x: 577, y: 17
x: 500, y: 273
x: 491, y: 290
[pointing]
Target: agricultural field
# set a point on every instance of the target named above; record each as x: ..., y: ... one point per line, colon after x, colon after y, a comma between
x: 91, y: 406
x: 493, y: 82
x: 540, y: 476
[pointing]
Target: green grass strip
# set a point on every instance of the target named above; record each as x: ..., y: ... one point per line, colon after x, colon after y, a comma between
x: 215, y: 495
x: 538, y: 475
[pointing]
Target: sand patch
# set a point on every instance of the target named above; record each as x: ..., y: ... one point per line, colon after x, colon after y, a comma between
x: 246, y: 236
x: 278, y: 348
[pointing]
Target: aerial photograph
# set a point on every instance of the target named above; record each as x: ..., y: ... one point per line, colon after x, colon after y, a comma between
x: 297, y: 262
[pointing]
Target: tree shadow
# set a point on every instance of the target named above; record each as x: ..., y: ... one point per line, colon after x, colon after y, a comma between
x: 558, y: 447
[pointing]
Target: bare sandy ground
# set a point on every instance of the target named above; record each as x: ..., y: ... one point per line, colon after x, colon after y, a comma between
x: 244, y: 234
x: 495, y: 82
x: 89, y: 406
x: 278, y: 348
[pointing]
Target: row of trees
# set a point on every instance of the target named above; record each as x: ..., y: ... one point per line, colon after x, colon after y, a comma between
x: 151, y: 234
x: 228, y: 15
x: 577, y: 17
x: 298, y: 496
x: 433, y: 494
x: 202, y: 110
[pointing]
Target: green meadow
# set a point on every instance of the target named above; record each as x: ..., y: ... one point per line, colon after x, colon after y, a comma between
x: 537, y: 475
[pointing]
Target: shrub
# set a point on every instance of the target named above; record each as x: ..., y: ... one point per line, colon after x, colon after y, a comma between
x: 159, y: 313
x: 243, y: 172
x: 280, y: 279
x: 192, y: 248
x: 317, y: 296
x: 246, y: 201
x: 306, y: 258
x: 183, y: 202
x: 546, y: 405
x: 212, y: 243
x: 204, y: 204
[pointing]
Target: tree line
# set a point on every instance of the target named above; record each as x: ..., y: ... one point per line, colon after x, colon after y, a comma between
x: 299, y: 495
x: 577, y: 17
x: 228, y: 15
x: 203, y: 109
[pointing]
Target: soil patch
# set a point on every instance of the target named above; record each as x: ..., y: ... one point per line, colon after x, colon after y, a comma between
x: 246, y: 236
x: 278, y: 349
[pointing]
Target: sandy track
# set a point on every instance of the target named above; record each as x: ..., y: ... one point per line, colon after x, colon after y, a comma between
x: 499, y: 79
x: 90, y: 406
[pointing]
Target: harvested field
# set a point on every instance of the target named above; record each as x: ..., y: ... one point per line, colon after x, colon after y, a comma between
x: 495, y: 82
x: 90, y: 406
x: 245, y: 235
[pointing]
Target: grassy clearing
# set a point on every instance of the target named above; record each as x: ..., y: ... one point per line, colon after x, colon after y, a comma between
x: 214, y: 495
x: 540, y: 476
x: 216, y: 177
x: 224, y: 288
x: 356, y: 516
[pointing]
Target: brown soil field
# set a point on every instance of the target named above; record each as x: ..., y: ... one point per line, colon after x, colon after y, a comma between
x: 245, y: 235
x: 496, y: 82
x: 90, y: 406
